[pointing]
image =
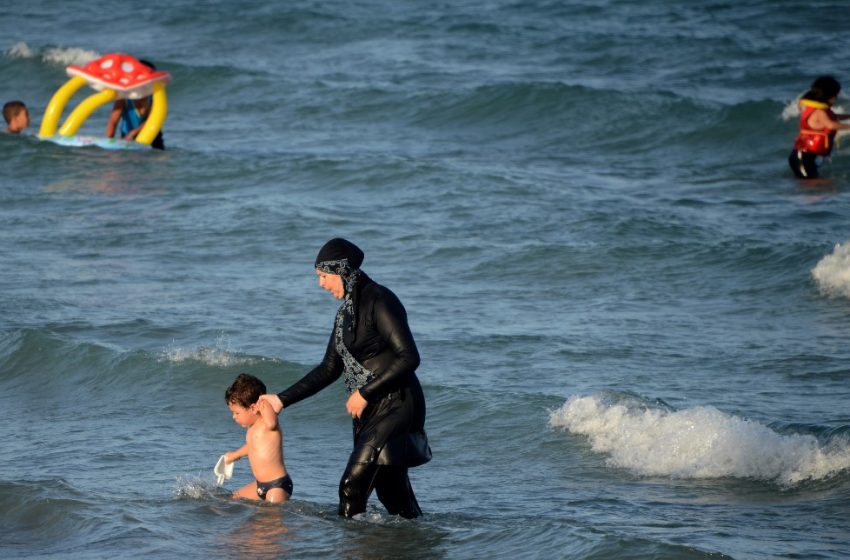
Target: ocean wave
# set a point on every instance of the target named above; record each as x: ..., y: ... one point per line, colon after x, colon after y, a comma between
x: 562, y: 116
x: 553, y: 115
x: 29, y: 357
x: 30, y: 352
x: 220, y: 354
x: 699, y: 443
x: 43, y: 511
x: 499, y: 103
x: 62, y: 56
x: 832, y: 273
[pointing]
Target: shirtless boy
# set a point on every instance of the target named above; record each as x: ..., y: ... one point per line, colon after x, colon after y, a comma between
x: 263, y: 441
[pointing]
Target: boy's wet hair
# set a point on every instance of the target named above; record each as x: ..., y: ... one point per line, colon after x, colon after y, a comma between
x: 244, y: 391
x: 11, y: 110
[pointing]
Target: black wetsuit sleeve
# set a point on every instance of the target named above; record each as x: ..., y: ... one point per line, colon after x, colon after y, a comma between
x: 317, y: 379
x: 391, y: 322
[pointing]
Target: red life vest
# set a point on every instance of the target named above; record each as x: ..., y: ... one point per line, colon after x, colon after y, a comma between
x: 815, y: 141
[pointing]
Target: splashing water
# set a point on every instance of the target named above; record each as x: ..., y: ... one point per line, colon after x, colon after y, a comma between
x: 219, y: 355
x: 196, y: 488
x: 832, y: 273
x: 700, y: 442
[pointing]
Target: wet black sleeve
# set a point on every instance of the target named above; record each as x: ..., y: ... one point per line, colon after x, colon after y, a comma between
x: 317, y: 379
x: 391, y: 322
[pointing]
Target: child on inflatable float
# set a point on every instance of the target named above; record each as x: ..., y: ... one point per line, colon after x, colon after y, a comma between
x: 129, y: 116
x: 114, y: 76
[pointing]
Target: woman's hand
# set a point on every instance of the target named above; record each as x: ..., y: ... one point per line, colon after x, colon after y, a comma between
x: 355, y: 405
x: 274, y: 400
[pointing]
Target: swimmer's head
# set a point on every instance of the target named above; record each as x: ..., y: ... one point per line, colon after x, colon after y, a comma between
x: 17, y: 116
x: 824, y: 89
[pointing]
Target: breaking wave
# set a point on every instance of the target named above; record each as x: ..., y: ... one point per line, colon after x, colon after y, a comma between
x: 699, y: 443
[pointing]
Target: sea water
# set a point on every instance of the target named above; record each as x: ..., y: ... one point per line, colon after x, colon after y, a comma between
x: 633, y: 321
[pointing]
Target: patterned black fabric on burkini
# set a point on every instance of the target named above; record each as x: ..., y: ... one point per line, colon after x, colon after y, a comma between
x: 341, y: 257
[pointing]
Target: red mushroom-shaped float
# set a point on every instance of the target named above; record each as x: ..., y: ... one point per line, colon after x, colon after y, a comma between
x: 115, y: 76
x: 120, y: 72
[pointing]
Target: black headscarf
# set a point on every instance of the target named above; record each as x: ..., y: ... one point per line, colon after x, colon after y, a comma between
x: 342, y: 257
x: 339, y: 255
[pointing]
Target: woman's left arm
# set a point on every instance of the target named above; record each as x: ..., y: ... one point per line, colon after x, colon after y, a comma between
x: 391, y: 321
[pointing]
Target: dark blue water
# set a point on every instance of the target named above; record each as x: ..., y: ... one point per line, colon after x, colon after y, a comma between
x: 633, y: 320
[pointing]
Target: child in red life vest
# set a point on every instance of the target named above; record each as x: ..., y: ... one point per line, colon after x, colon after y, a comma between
x: 818, y: 127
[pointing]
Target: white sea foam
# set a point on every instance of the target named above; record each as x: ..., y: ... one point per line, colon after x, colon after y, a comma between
x: 70, y: 55
x: 20, y: 50
x: 62, y: 56
x: 700, y: 442
x: 791, y: 110
x: 832, y: 273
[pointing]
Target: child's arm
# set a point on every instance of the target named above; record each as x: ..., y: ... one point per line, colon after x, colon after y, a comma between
x: 133, y: 133
x: 268, y: 415
x: 821, y: 119
x: 231, y: 456
x: 143, y: 113
x: 114, y: 117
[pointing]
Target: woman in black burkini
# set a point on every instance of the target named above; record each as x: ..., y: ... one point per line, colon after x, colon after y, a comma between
x: 372, y: 348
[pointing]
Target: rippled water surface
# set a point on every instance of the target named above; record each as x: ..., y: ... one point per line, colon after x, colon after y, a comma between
x: 633, y: 320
